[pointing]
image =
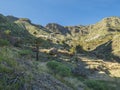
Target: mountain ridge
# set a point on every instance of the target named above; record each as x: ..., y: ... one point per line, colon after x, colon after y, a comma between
x: 56, y: 57
x: 90, y: 36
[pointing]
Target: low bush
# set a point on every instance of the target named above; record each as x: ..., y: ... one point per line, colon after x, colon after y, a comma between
x: 59, y: 68
x: 53, y: 64
x: 63, y: 70
x: 96, y: 85
x: 25, y: 52
x: 4, y: 42
x: 7, y: 82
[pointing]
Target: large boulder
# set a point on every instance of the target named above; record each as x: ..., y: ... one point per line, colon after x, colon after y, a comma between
x: 53, y: 51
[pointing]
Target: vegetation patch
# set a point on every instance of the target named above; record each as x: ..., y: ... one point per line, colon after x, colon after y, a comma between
x: 25, y: 52
x: 96, y: 85
x: 4, y: 42
x: 59, y: 68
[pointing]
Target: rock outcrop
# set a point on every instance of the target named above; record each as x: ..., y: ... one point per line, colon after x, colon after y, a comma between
x: 58, y: 29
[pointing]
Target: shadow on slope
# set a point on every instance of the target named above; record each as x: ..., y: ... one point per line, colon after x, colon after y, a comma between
x: 104, y: 52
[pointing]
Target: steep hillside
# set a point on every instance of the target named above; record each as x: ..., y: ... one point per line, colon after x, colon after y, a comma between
x: 56, y: 57
x: 32, y: 28
x: 102, y: 32
x: 15, y: 30
x: 116, y: 45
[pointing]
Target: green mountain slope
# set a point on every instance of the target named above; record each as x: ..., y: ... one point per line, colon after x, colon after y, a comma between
x: 69, y: 57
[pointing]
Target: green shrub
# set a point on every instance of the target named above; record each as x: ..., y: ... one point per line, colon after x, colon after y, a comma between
x: 59, y: 68
x: 11, y: 77
x: 7, y: 82
x: 4, y: 42
x: 96, y: 85
x: 7, y: 32
x: 25, y: 52
x: 5, y: 69
x: 53, y: 64
x: 63, y: 70
x: 7, y: 64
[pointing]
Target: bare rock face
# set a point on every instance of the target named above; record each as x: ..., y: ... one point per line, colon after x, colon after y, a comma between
x: 56, y: 28
x: 78, y: 29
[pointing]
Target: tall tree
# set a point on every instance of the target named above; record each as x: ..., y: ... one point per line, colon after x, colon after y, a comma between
x: 38, y: 42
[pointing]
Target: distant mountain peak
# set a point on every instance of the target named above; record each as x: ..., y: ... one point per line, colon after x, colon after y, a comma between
x: 12, y: 18
x: 56, y: 28
x: 111, y: 20
x: 25, y: 20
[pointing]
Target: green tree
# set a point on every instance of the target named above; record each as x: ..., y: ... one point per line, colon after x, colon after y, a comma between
x: 38, y: 42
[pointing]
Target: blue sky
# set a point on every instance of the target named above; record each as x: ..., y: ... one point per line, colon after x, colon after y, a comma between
x: 64, y: 12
